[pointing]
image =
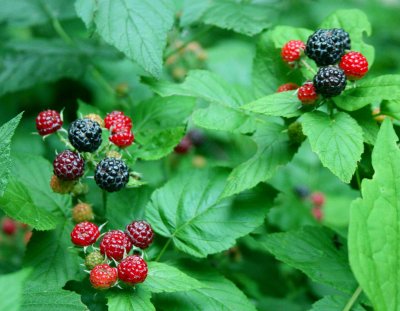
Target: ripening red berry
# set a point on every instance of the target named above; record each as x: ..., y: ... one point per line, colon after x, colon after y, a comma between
x: 103, y: 276
x: 123, y: 138
x: 354, y: 65
x: 115, y: 244
x: 116, y: 121
x: 85, y: 234
x: 307, y: 94
x: 48, y: 122
x: 317, y: 213
x: 184, y: 146
x: 287, y: 87
x: 132, y: 270
x: 140, y: 233
x: 291, y: 51
x: 318, y: 199
x: 9, y: 226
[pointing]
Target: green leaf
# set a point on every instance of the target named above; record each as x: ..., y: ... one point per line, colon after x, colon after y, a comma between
x: 12, y: 290
x: 165, y: 278
x: 18, y: 204
x: 6, y: 133
x: 334, y: 303
x: 51, y: 256
x: 217, y: 293
x: 374, y: 226
x: 338, y: 141
x: 85, y: 109
x: 356, y: 23
x: 311, y: 250
x: 34, y: 12
x: 273, y: 150
x: 39, y: 298
x: 284, y: 104
x: 187, y: 210
x: 370, y: 91
x: 280, y: 35
x: 391, y: 108
x: 137, y: 300
x: 125, y: 25
x: 367, y: 123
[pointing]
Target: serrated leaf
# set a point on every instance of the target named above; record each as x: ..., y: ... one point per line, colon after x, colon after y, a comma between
x: 356, y: 23
x: 18, y: 204
x: 391, y: 108
x: 187, y: 210
x: 52, y: 257
x: 280, y: 35
x: 273, y: 150
x: 284, y: 104
x: 165, y: 278
x: 137, y: 300
x: 370, y: 91
x: 12, y: 290
x: 337, y: 140
x: 126, y: 25
x: 367, y: 123
x: 6, y: 133
x: 311, y: 249
x: 374, y: 226
x: 334, y: 303
x: 39, y: 298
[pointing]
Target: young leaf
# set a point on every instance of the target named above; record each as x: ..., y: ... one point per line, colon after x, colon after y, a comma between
x: 125, y: 25
x: 338, y: 141
x: 165, y: 278
x: 370, y: 91
x: 12, y: 290
x: 137, y: 300
x: 187, y: 210
x: 312, y: 250
x: 6, y: 133
x: 273, y: 150
x: 374, y: 226
x: 334, y: 303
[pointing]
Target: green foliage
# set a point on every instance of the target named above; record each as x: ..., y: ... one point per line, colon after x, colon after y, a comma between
x: 11, y: 296
x: 138, y: 300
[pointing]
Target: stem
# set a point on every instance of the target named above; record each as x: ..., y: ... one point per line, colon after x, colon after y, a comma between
x: 358, y: 179
x: 163, y: 249
x: 353, y: 299
x: 308, y: 67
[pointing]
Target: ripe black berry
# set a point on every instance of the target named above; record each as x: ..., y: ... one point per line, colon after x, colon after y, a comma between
x: 111, y: 174
x: 68, y: 165
x: 327, y: 46
x: 85, y: 135
x: 329, y: 81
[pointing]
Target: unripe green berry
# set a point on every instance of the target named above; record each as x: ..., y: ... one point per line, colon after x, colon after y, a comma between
x: 94, y: 259
x: 295, y: 133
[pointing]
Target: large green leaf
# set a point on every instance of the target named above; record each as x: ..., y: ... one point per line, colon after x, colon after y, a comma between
x: 12, y: 290
x: 135, y: 300
x: 370, y: 91
x: 138, y: 28
x: 312, y: 250
x: 273, y: 150
x: 356, y: 23
x: 334, y: 303
x: 165, y: 278
x: 375, y: 225
x: 337, y: 140
x: 51, y: 256
x: 6, y: 133
x: 187, y: 210
x: 280, y: 35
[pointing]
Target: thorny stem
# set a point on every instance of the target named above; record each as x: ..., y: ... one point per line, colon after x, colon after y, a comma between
x: 353, y: 299
x: 163, y: 249
x: 308, y: 67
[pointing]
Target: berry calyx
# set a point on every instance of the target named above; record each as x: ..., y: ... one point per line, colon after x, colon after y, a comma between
x: 132, y: 270
x: 184, y: 145
x: 9, y: 226
x: 103, y: 276
x: 111, y: 174
x: 48, y: 122
x: 85, y: 135
x: 291, y: 51
x: 287, y: 87
x: 94, y: 259
x: 140, y: 233
x: 68, y: 165
x: 318, y: 199
x: 96, y: 118
x: 115, y: 244
x: 329, y: 81
x: 85, y: 234
x: 82, y: 212
x: 354, y: 65
x: 307, y: 93
x: 61, y: 186
x: 116, y: 121
x: 123, y: 138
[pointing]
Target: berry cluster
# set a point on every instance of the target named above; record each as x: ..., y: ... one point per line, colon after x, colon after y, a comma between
x: 114, y: 250
x: 327, y: 48
x: 120, y: 127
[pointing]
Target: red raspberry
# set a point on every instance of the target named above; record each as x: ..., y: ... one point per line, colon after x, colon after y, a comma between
x: 9, y: 226
x: 140, y: 233
x: 307, y: 94
x: 114, y: 244
x: 291, y: 50
x: 48, y: 122
x: 184, y: 146
x: 123, y: 138
x: 354, y: 65
x: 68, y: 165
x: 85, y: 234
x: 117, y: 120
x: 132, y: 270
x: 318, y: 199
x: 287, y: 87
x: 103, y: 276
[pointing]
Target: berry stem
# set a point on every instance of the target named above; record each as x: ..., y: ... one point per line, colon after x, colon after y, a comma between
x: 308, y: 67
x: 353, y: 299
x: 64, y: 140
x: 163, y: 249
